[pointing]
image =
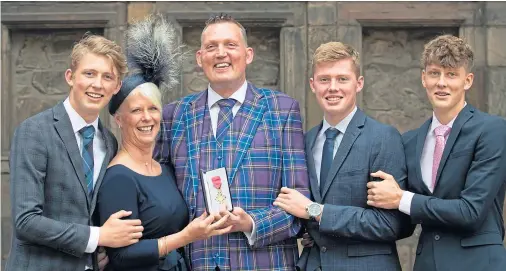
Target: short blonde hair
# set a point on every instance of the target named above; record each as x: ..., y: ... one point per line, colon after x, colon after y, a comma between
x: 148, y: 90
x: 448, y: 51
x: 101, y: 46
x: 335, y: 51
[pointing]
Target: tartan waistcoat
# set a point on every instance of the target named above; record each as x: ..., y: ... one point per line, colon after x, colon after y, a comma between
x: 207, y: 254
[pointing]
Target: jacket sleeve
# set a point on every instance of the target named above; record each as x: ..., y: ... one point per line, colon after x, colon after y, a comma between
x: 28, y: 165
x: 373, y: 224
x: 485, y: 179
x: 272, y: 223
x: 161, y: 152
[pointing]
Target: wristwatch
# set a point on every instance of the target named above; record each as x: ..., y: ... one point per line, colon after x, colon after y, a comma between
x: 314, y: 209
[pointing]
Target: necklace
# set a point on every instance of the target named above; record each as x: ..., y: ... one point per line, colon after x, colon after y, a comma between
x: 145, y: 163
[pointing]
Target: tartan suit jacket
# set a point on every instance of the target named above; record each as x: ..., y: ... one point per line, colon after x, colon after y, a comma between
x: 266, y: 154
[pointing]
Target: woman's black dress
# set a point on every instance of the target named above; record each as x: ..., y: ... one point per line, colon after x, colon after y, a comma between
x: 157, y: 202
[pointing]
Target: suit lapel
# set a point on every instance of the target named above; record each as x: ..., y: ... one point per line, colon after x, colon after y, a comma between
x: 420, y: 142
x: 352, y: 132
x: 309, y: 144
x: 109, y: 153
x: 194, y: 116
x: 252, y: 111
x: 462, y: 118
x: 64, y: 129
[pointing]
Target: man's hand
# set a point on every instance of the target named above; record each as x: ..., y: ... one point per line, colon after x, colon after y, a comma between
x: 293, y: 202
x: 385, y: 194
x: 102, y: 258
x: 119, y: 233
x: 238, y: 219
x: 307, y: 240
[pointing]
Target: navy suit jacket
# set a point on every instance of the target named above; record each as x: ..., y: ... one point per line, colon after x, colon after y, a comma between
x: 462, y: 222
x: 353, y: 235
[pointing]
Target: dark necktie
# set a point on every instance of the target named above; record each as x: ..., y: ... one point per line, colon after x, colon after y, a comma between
x: 225, y: 118
x: 327, y: 155
x: 88, y: 133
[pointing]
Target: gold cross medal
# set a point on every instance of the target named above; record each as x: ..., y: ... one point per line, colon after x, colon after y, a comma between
x: 220, y: 198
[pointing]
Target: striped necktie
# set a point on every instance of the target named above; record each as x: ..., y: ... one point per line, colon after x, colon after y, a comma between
x: 225, y: 118
x: 88, y: 133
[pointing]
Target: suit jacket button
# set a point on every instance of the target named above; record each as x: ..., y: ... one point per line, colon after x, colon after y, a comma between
x: 437, y: 237
x: 324, y: 249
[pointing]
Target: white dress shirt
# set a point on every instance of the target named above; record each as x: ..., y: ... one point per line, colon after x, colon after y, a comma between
x: 426, y: 162
x: 214, y: 111
x: 98, y: 158
x: 320, y: 140
x: 214, y: 107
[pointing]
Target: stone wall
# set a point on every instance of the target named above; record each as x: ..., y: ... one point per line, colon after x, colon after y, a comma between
x: 393, y: 92
x: 496, y: 57
x: 284, y: 35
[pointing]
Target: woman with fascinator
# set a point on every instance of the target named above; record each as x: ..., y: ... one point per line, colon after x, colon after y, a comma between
x: 134, y: 181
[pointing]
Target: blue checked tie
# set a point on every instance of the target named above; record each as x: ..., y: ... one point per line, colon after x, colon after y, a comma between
x: 88, y: 133
x: 225, y: 118
x: 327, y: 155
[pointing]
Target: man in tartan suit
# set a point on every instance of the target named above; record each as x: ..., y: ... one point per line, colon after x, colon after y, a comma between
x: 256, y: 134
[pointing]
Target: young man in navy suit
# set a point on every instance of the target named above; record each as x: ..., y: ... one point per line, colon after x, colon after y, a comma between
x: 341, y: 152
x: 456, y: 170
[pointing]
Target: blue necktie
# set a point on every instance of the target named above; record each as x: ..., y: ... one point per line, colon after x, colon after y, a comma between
x: 327, y: 155
x: 225, y: 118
x: 88, y: 133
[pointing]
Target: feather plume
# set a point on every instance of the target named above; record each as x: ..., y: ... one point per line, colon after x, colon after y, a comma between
x: 154, y: 52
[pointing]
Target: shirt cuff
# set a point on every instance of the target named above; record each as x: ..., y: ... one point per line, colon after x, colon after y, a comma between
x: 93, y: 241
x: 321, y: 216
x: 405, y: 203
x: 251, y: 235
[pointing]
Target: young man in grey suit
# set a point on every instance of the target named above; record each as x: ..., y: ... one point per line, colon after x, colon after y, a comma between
x: 456, y: 170
x: 57, y: 161
x: 341, y: 153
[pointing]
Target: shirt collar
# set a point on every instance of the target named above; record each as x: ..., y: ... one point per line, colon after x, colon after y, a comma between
x: 436, y: 123
x: 75, y: 119
x: 239, y: 95
x: 342, y: 125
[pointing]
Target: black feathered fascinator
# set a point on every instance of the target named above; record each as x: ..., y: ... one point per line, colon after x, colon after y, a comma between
x: 153, y: 56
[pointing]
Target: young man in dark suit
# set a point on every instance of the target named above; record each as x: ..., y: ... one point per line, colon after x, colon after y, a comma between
x: 57, y: 161
x: 456, y: 170
x: 341, y: 152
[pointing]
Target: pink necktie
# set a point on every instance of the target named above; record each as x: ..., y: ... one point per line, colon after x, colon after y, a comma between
x: 441, y: 135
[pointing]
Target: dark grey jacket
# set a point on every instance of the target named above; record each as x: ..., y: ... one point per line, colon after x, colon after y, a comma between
x: 51, y: 208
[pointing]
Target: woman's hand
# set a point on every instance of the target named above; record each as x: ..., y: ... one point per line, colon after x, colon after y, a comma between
x: 203, y: 227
